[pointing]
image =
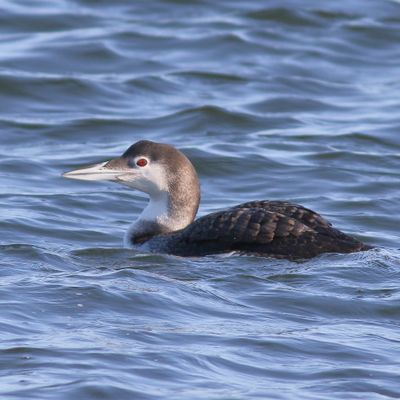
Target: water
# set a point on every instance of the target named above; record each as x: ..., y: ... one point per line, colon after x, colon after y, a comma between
x: 276, y: 100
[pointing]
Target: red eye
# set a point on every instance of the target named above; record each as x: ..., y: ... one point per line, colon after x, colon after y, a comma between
x: 142, y: 162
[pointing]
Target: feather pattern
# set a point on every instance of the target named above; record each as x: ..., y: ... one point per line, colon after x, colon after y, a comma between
x: 271, y: 228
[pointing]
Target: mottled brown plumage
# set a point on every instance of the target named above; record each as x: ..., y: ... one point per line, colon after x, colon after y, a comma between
x: 272, y: 228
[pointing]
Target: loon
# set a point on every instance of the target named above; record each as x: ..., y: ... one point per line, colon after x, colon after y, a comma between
x: 270, y: 228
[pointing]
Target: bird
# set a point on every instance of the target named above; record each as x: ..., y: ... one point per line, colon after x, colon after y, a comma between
x: 167, y: 225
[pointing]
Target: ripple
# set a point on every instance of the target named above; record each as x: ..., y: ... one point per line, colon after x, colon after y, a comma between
x: 269, y: 102
x: 283, y: 15
x: 291, y: 105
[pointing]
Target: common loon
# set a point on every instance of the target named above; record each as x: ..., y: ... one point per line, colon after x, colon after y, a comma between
x: 279, y: 229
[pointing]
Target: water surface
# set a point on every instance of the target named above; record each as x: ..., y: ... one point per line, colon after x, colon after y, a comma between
x: 270, y: 100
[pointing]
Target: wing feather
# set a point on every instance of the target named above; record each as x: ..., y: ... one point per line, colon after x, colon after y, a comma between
x: 278, y: 229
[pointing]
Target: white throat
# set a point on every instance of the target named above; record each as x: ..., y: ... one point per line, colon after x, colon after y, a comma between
x: 157, y: 211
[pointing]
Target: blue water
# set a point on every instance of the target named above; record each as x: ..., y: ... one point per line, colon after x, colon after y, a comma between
x: 294, y: 100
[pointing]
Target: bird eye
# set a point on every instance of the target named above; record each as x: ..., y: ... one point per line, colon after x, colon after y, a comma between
x: 142, y: 162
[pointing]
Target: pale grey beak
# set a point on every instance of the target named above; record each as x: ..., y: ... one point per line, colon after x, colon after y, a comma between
x: 105, y: 171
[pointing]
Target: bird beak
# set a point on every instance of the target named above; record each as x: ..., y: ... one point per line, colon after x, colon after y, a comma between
x: 112, y: 170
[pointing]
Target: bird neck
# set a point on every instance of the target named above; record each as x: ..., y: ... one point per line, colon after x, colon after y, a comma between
x: 166, y: 212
